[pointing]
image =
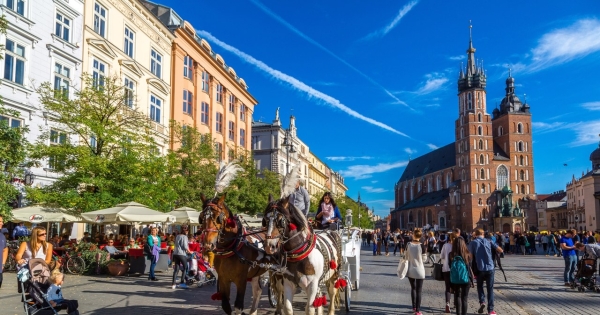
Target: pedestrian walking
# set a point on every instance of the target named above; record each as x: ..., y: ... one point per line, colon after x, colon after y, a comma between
x: 363, y: 238
x: 3, y: 250
x: 398, y: 242
x: 379, y: 241
x: 544, y: 241
x: 445, y: 257
x: 551, y: 245
x: 431, y: 245
x: 481, y: 249
x: 416, y: 270
x: 374, y: 239
x: 180, y: 259
x: 570, y: 257
x: 386, y: 243
x: 461, y: 275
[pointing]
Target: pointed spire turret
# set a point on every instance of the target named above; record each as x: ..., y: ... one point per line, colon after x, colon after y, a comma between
x: 471, y: 64
x: 473, y: 75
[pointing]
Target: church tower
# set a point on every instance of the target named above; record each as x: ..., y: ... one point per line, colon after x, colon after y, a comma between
x: 474, y: 145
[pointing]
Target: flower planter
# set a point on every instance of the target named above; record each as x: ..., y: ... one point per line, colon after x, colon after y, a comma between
x: 117, y: 268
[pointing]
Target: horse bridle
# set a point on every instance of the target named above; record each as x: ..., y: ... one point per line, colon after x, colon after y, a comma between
x: 281, y: 225
x: 219, y: 220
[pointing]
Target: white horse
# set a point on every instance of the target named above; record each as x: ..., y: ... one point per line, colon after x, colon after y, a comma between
x: 309, y: 257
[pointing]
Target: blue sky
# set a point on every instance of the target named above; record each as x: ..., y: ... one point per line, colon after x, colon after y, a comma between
x: 372, y: 85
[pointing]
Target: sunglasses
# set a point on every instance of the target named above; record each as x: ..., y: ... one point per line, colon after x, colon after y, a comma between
x: 43, y: 234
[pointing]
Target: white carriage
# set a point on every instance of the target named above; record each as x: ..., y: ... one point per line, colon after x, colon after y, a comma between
x: 350, y: 269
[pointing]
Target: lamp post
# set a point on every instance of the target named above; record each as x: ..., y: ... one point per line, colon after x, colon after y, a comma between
x: 289, y: 148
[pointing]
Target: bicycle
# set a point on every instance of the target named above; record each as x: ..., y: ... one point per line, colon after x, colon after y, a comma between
x: 75, y: 265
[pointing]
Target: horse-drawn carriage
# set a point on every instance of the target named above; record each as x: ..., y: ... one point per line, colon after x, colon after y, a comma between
x: 285, y: 254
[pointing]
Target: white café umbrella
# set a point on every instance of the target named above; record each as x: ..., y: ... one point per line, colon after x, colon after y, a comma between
x: 130, y: 212
x: 185, y: 215
x: 38, y: 214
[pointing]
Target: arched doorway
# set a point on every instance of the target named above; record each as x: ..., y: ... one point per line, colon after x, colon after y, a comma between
x: 517, y: 227
x: 506, y: 228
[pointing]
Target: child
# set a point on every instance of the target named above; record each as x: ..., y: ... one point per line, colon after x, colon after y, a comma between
x: 54, y: 294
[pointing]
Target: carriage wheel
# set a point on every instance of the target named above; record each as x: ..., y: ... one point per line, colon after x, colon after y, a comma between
x: 273, y: 298
x: 348, y: 294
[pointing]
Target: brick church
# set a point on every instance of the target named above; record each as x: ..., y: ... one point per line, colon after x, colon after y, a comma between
x: 484, y: 179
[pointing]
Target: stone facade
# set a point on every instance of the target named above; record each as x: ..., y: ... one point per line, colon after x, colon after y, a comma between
x: 123, y: 38
x: 42, y: 44
x: 486, y: 173
x: 583, y: 206
x: 206, y: 93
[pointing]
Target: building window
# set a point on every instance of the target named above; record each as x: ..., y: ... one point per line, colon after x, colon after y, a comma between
x: 519, y: 128
x: 204, y: 113
x: 242, y: 137
x: 188, y: 102
x: 11, y: 122
x: 218, y: 151
x: 14, y: 62
x: 63, y: 27
x: 62, y: 80
x: 482, y: 176
x: 522, y: 175
x: 500, y: 131
x: 520, y: 146
x: 98, y: 72
x: 155, y: 63
x: 242, y: 112
x: 219, y: 123
x: 502, y: 176
x: 481, y: 161
x: 479, y: 117
x: 205, y: 80
x: 480, y: 130
x: 231, y: 103
x: 219, y: 94
x: 100, y: 19
x: 56, y: 138
x: 155, y: 108
x: 188, y: 67
x: 129, y: 92
x: 231, y: 155
x: 129, y: 42
x: 231, y: 130
x: 17, y: 6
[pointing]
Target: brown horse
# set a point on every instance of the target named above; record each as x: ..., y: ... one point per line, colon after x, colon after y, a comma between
x: 311, y: 257
x: 236, y: 257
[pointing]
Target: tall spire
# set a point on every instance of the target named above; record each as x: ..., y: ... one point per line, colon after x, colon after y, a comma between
x: 471, y: 65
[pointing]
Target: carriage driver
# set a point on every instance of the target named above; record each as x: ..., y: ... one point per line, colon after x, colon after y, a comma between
x: 300, y: 198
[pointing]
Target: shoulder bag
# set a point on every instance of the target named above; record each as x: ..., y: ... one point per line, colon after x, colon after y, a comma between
x: 402, y: 266
x: 436, y: 272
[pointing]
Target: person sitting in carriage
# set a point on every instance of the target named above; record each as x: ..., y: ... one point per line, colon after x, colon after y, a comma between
x: 328, y: 214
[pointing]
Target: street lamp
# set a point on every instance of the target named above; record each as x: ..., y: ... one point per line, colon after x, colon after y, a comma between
x: 289, y: 148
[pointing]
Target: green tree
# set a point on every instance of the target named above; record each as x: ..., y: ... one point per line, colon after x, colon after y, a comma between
x: 104, y: 151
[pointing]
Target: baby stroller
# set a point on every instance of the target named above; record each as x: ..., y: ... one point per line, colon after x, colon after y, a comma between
x: 200, y: 271
x: 34, y: 282
x: 585, y: 278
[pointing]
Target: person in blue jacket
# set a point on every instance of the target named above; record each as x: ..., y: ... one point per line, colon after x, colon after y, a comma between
x: 328, y: 214
x: 153, y: 252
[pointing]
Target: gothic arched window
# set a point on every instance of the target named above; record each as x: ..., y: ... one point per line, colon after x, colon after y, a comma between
x: 419, y: 218
x: 448, y: 180
x: 479, y: 117
x: 500, y: 131
x: 482, y: 176
x: 522, y: 175
x: 480, y: 144
x: 521, y: 160
x: 520, y: 146
x: 480, y: 130
x: 481, y: 160
x: 429, y: 217
x: 480, y: 202
x: 462, y: 133
x: 522, y: 189
x: 519, y: 128
x: 501, y: 176
x: 410, y: 217
x: 438, y: 183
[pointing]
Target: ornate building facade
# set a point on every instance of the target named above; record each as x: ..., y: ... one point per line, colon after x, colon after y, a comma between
x: 485, y: 177
x: 583, y: 194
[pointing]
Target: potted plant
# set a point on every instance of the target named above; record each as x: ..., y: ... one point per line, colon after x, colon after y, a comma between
x: 117, y: 267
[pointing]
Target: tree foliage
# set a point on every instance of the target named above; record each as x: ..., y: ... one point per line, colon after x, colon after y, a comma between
x: 107, y: 154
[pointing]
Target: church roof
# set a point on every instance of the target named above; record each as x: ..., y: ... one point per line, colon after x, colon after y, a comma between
x: 433, y: 161
x: 428, y: 199
x: 499, y: 154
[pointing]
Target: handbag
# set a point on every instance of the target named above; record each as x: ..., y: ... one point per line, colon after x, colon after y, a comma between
x: 402, y: 268
x: 436, y: 272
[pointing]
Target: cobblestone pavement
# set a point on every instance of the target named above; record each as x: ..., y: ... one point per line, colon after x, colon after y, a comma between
x: 534, y: 287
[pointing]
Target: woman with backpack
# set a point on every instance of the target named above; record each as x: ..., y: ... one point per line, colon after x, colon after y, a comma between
x: 431, y: 245
x: 445, y: 256
x: 416, y: 270
x: 461, y: 275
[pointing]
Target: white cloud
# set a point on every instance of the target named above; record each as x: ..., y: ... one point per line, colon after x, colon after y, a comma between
x: 591, y: 106
x: 323, y: 48
x: 374, y: 181
x: 566, y: 44
x: 347, y: 158
x: 382, y: 32
x: 371, y: 189
x: 432, y: 146
x: 326, y: 83
x: 431, y: 85
x: 410, y: 151
x: 586, y: 132
x: 367, y: 171
x: 296, y: 84
x: 432, y: 105
x: 458, y: 58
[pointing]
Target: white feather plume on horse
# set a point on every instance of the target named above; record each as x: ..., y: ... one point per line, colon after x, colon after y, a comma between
x: 227, y: 172
x: 288, y: 185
